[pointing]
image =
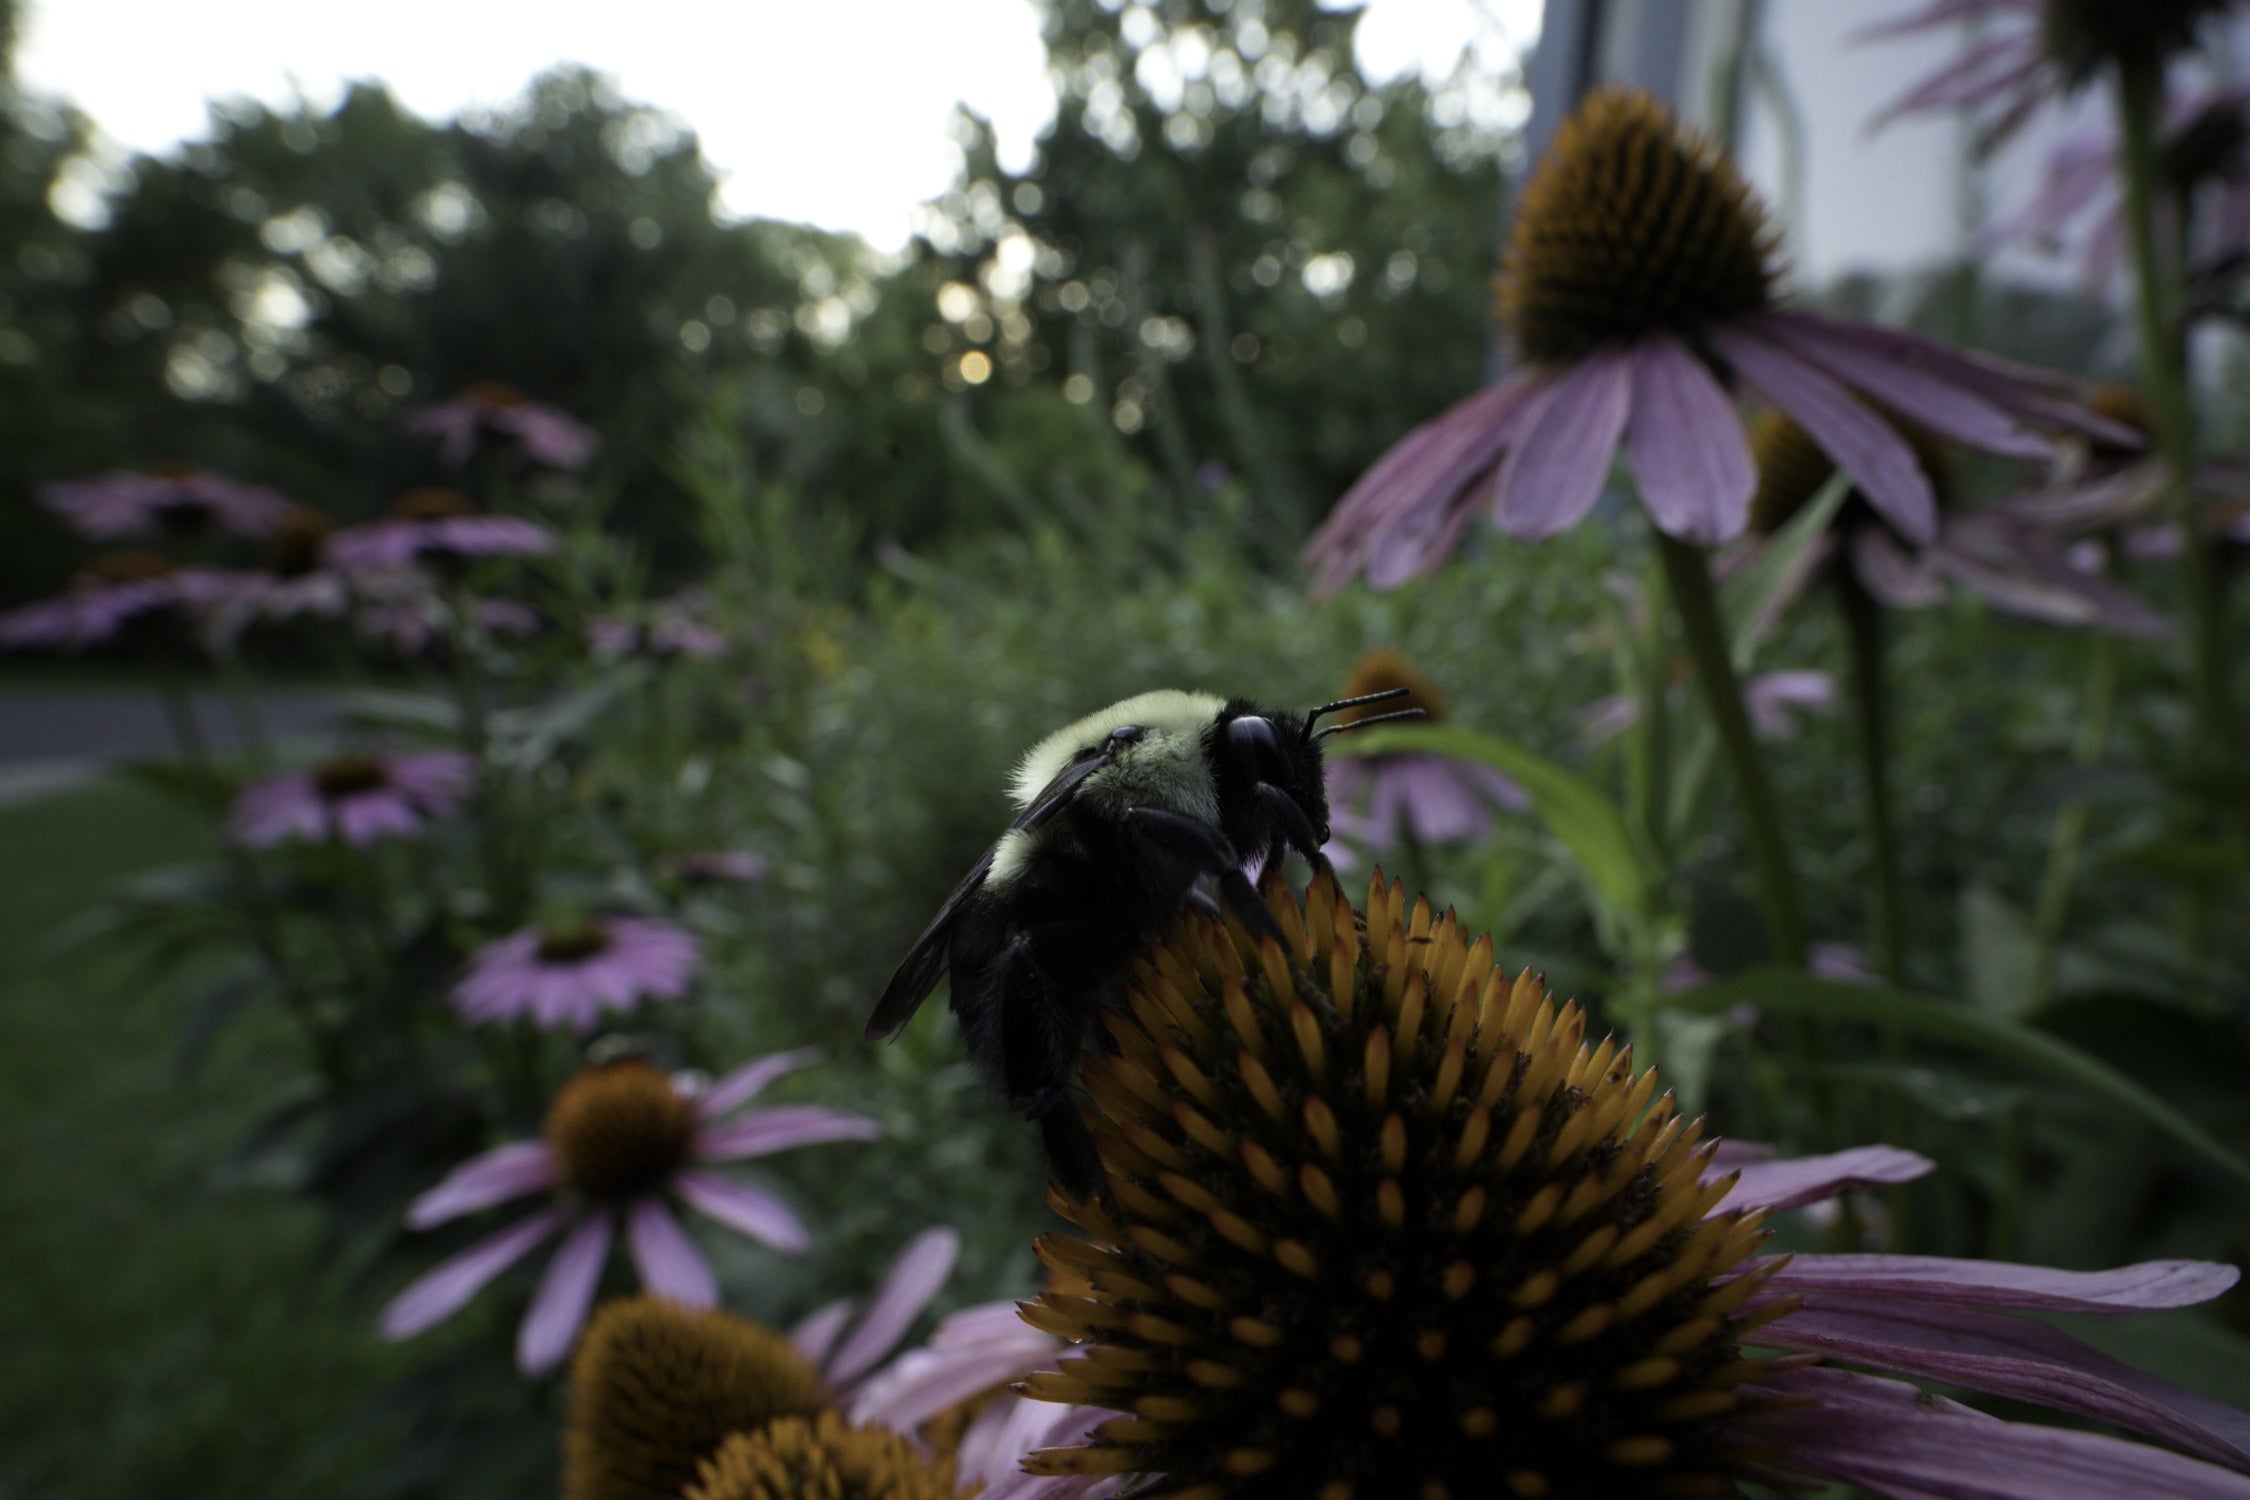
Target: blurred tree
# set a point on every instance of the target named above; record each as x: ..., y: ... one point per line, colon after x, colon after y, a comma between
x: 1228, y: 229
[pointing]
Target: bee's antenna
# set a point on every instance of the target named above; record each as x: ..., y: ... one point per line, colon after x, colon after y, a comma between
x: 1404, y: 713
x: 1328, y: 708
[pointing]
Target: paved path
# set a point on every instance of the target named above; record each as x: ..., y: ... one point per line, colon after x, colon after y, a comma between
x: 53, y: 735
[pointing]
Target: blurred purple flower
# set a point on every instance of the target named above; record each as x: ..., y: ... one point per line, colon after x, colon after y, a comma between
x: 173, y: 497
x: 1838, y: 961
x: 356, y: 799
x: 1774, y: 700
x: 1991, y: 551
x: 673, y: 627
x: 568, y: 974
x: 490, y: 411
x: 435, y: 523
x: 1434, y: 799
x: 409, y: 620
x: 979, y: 1351
x: 2027, y: 54
x: 1634, y: 328
x: 620, y: 1140
x: 116, y: 591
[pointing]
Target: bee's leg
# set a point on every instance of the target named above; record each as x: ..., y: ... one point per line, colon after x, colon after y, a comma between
x: 1208, y: 850
x: 1295, y: 826
x: 1039, y: 1043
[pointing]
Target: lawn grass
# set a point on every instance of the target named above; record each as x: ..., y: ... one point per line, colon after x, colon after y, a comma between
x: 167, y: 1333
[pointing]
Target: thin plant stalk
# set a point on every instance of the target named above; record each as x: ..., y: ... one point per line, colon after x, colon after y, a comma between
x: 1687, y: 573
x: 1863, y: 626
x: 2159, y: 304
x: 2069, y: 837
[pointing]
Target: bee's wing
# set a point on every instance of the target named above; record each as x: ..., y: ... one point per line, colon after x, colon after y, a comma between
x: 918, y: 973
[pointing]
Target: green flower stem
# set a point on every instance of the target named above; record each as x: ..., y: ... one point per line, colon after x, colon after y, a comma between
x: 179, y: 716
x: 2070, y: 825
x: 1863, y: 624
x: 2159, y: 303
x: 1689, y: 576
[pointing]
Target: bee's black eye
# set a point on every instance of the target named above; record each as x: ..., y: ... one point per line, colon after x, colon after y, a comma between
x: 1125, y: 733
x: 1253, y: 738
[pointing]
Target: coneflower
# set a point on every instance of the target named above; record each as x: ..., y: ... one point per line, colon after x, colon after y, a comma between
x: 490, y: 414
x: 1413, y: 795
x: 1380, y: 1221
x: 1640, y: 284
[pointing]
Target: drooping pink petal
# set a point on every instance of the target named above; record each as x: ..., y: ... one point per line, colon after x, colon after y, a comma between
x: 1386, y: 522
x: 908, y: 1286
x: 816, y: 1335
x: 558, y: 1308
x: 972, y: 1352
x: 1686, y: 445
x: 746, y: 1082
x: 1554, y: 472
x: 2005, y: 1284
x: 1885, y: 570
x: 995, y: 1444
x: 2039, y: 396
x: 1916, y: 393
x: 2014, y: 1357
x: 1995, y: 557
x: 1810, y: 1179
x: 1862, y: 444
x: 667, y: 1259
x: 744, y: 1209
x: 1727, y: 1153
x: 442, y: 1292
x: 1938, y: 13
x: 779, y: 1129
x: 502, y: 1173
x: 1892, y: 1439
x: 1978, y: 76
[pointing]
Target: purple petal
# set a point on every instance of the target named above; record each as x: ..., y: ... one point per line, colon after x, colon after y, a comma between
x: 558, y: 1308
x: 1978, y: 76
x: 779, y: 1129
x: 1939, y: 13
x: 744, y: 1209
x: 1891, y: 1438
x: 1554, y: 473
x: 1728, y: 1153
x: 502, y: 1173
x: 2037, y: 395
x: 1885, y: 570
x: 1862, y: 444
x: 923, y: 1382
x: 667, y: 1259
x: 2014, y: 1357
x: 913, y: 1279
x: 2017, y: 570
x: 1994, y: 1283
x: 1912, y: 391
x: 1389, y: 521
x: 1810, y: 1179
x: 816, y: 1335
x: 441, y: 1293
x: 744, y: 1083
x: 1686, y: 445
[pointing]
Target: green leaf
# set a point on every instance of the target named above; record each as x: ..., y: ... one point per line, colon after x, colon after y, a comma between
x: 1749, y: 596
x: 1576, y: 811
x: 1998, y: 953
x: 1787, y: 991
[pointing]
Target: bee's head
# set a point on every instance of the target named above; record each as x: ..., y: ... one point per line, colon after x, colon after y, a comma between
x: 1282, y: 750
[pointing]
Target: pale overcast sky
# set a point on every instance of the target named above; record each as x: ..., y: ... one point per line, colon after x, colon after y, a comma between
x: 832, y: 113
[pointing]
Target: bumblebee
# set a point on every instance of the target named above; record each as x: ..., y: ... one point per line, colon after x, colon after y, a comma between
x: 1124, y: 818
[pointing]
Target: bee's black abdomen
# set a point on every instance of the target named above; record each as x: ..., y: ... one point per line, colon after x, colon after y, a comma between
x: 1070, y: 1150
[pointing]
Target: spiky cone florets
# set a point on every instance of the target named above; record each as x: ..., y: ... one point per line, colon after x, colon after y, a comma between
x: 656, y: 1388
x: 823, y: 1458
x: 1632, y: 223
x: 1380, y: 1222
